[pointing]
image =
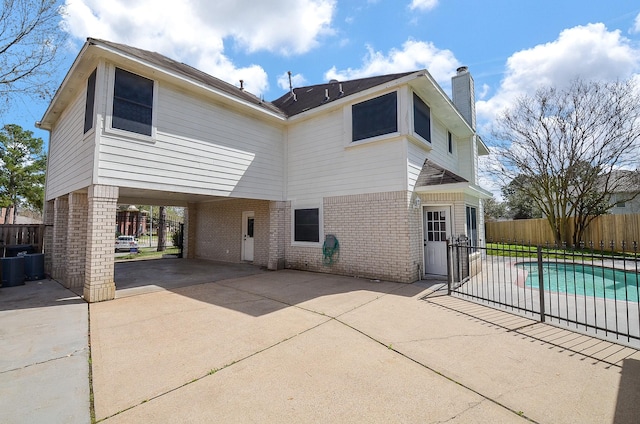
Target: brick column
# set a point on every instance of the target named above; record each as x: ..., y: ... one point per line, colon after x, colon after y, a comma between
x: 77, y: 243
x: 190, y: 226
x: 59, y: 254
x: 277, y: 212
x: 101, y: 224
x: 48, y: 220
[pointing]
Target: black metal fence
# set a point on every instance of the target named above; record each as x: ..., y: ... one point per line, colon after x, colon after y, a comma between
x: 593, y: 288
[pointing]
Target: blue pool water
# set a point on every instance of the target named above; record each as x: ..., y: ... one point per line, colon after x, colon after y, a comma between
x: 585, y: 280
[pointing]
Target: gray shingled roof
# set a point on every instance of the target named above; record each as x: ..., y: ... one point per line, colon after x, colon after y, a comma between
x: 187, y: 71
x: 306, y: 98
x: 313, y: 96
x: 432, y: 174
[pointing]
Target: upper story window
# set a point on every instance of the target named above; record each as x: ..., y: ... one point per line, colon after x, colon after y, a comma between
x: 89, y: 105
x: 375, y: 117
x: 421, y: 118
x: 132, y: 102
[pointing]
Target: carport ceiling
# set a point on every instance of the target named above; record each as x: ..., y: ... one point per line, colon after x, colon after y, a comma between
x: 136, y: 196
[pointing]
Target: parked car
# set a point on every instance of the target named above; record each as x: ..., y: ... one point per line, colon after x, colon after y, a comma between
x: 126, y: 243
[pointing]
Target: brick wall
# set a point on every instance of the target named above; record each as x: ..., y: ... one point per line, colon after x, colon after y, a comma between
x: 60, y: 222
x: 76, y: 240
x: 218, y: 230
x: 374, y: 233
x: 99, y: 264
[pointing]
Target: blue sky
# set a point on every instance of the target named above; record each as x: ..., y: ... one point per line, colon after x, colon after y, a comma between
x: 511, y: 47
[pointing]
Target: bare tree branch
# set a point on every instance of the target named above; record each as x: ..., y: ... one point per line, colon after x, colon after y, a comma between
x: 30, y: 37
x: 570, y: 148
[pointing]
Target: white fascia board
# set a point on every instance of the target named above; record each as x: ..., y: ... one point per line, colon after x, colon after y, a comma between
x: 355, y: 98
x: 466, y: 188
x: 61, y: 89
x: 190, y: 81
x: 443, y: 97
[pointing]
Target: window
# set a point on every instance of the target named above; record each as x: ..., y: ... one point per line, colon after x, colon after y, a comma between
x: 421, y: 118
x: 132, y: 102
x: 375, y: 117
x: 472, y: 226
x: 88, y: 107
x: 450, y: 141
x: 307, y: 225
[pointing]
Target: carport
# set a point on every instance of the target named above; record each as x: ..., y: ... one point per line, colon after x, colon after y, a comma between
x: 146, y: 276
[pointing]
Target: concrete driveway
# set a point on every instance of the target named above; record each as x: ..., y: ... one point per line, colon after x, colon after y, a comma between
x: 293, y: 346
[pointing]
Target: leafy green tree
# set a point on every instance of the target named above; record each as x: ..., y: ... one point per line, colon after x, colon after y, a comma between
x: 494, y: 210
x: 519, y: 204
x: 22, y: 169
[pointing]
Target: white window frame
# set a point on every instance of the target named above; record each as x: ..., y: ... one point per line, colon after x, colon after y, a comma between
x: 307, y: 205
x: 108, y: 128
x: 348, y: 121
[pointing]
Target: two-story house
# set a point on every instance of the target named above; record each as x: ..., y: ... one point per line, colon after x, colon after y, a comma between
x: 387, y: 165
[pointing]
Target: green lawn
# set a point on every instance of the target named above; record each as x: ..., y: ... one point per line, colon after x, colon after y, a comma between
x: 524, y: 251
x: 148, y: 253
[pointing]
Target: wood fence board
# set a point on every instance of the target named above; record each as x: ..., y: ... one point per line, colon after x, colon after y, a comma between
x: 606, y: 228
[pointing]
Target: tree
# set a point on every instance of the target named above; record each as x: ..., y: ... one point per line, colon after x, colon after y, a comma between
x: 519, y: 205
x: 22, y: 169
x: 566, y: 145
x: 494, y: 210
x: 29, y: 41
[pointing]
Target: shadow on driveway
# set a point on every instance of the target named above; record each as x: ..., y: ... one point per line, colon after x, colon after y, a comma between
x: 236, y: 286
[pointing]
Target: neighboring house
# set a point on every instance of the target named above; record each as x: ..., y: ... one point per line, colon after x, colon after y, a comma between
x: 626, y: 198
x: 387, y: 164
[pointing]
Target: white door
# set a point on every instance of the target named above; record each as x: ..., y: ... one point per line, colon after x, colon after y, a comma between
x: 247, y: 236
x: 436, y: 232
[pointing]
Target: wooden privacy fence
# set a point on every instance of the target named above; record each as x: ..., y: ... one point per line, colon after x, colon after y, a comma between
x: 12, y: 234
x: 605, y: 228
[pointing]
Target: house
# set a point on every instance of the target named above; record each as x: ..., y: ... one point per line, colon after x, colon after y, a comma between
x: 387, y: 165
x: 625, y: 198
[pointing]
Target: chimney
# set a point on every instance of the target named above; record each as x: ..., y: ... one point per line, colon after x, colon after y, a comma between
x: 464, y: 97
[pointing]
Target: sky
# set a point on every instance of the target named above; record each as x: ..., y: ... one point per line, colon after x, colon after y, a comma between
x: 511, y: 47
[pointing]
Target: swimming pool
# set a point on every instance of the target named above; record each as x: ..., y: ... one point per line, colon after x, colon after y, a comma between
x: 588, y: 280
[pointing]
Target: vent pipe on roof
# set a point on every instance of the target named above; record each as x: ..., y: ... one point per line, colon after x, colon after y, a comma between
x: 290, y: 83
x: 340, y: 87
x: 326, y: 94
x: 241, y: 85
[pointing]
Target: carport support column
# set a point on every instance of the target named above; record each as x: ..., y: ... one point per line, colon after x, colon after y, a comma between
x: 101, y: 223
x: 190, y: 226
x: 48, y: 220
x: 76, y: 240
x: 58, y: 253
x: 277, y: 212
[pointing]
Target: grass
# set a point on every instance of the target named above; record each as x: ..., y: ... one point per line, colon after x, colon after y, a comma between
x: 148, y: 253
x: 527, y: 251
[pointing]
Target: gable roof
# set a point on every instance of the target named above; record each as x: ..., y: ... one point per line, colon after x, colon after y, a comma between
x: 186, y: 71
x: 301, y: 99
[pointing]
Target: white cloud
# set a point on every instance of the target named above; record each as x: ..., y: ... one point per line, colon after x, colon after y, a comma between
x: 636, y: 25
x: 297, y: 80
x: 423, y: 4
x: 588, y: 52
x: 413, y: 55
x: 196, y: 32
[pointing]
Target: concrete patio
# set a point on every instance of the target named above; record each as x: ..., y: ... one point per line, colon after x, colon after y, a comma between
x: 291, y: 346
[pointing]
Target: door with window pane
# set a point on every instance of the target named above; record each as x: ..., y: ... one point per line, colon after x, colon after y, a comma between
x: 436, y: 224
x: 248, y: 220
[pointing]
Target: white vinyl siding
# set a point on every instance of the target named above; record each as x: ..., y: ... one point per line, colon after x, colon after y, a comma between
x: 320, y: 165
x: 201, y: 147
x: 70, y: 163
